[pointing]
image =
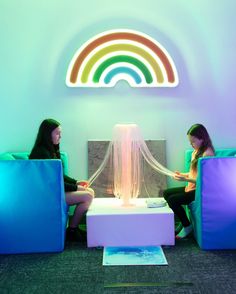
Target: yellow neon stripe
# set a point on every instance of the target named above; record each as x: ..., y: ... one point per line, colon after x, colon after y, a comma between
x: 122, y: 47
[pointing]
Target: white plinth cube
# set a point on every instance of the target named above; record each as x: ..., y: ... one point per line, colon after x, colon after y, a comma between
x: 111, y: 224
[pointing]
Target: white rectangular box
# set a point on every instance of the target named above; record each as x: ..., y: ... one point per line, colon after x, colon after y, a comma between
x: 111, y: 224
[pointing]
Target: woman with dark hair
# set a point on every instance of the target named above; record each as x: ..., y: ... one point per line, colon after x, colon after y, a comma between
x: 47, y: 146
x: 176, y: 197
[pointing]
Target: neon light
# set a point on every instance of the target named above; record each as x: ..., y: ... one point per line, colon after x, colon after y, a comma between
x: 122, y: 58
x: 135, y: 53
x: 121, y: 47
x: 122, y: 70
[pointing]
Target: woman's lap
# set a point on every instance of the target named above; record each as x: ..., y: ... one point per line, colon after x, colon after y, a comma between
x: 178, y: 196
x: 77, y: 197
x: 171, y: 191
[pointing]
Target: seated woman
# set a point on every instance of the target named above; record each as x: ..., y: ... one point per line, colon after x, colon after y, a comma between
x: 176, y: 197
x: 47, y: 146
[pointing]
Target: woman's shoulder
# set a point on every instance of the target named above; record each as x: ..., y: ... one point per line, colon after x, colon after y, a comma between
x: 209, y: 152
x: 40, y: 152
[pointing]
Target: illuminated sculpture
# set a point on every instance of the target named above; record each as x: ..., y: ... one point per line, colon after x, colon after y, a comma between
x: 125, y: 155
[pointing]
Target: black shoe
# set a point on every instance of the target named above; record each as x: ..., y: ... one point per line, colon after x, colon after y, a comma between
x: 82, y: 233
x: 74, y: 235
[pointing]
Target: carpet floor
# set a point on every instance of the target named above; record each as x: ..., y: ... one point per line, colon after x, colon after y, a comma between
x: 79, y: 270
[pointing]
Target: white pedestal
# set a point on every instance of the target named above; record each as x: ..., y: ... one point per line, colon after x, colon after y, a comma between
x: 111, y: 224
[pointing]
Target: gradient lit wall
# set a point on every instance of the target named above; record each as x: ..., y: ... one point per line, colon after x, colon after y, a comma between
x: 38, y: 39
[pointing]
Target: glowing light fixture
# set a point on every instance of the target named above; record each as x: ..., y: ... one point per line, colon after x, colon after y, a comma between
x: 122, y: 55
x: 124, y: 158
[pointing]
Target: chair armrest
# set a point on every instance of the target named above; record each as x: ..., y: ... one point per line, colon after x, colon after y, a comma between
x: 215, y: 203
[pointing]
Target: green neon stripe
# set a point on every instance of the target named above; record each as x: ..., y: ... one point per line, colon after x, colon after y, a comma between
x: 123, y: 58
x: 122, y: 47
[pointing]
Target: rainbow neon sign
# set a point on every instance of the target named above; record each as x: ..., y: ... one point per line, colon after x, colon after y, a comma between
x: 122, y: 55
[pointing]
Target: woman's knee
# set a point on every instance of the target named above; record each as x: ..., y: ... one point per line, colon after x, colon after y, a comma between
x: 91, y: 192
x: 88, y: 198
x: 171, y: 202
x: 166, y: 194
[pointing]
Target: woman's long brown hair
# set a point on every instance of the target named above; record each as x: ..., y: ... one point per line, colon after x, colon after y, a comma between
x: 200, y: 132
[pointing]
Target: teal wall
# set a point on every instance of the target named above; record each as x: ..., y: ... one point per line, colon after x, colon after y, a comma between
x: 38, y: 39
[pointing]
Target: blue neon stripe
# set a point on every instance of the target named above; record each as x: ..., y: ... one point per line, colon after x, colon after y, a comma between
x: 125, y: 70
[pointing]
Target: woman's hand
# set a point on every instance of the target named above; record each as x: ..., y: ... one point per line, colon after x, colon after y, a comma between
x: 84, y: 187
x: 180, y: 177
x: 83, y: 183
x: 183, y: 177
x: 80, y: 188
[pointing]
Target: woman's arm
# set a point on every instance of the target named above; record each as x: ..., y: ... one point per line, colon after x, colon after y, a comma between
x: 183, y: 174
x: 184, y: 178
x: 69, y: 180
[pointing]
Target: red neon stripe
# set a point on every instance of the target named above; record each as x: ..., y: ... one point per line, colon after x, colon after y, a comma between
x: 116, y: 36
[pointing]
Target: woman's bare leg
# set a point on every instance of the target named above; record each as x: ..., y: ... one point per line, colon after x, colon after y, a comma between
x: 82, y: 200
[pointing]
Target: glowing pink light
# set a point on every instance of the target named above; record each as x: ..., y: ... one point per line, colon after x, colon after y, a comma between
x: 126, y: 151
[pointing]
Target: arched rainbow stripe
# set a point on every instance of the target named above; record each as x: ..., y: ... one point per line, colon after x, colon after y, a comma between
x: 121, y: 47
x: 123, y: 70
x: 122, y: 58
x: 124, y: 53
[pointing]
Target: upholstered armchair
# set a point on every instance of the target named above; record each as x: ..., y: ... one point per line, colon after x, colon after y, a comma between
x: 213, y: 213
x: 33, y: 212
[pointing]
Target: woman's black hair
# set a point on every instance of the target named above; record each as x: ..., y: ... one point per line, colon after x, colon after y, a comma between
x: 200, y: 132
x: 44, y: 137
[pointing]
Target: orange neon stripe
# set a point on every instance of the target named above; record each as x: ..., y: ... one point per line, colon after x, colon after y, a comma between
x: 116, y: 36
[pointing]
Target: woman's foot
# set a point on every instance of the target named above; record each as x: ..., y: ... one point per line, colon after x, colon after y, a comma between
x: 82, y: 232
x: 75, y: 235
x: 184, y: 232
x: 178, y: 228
